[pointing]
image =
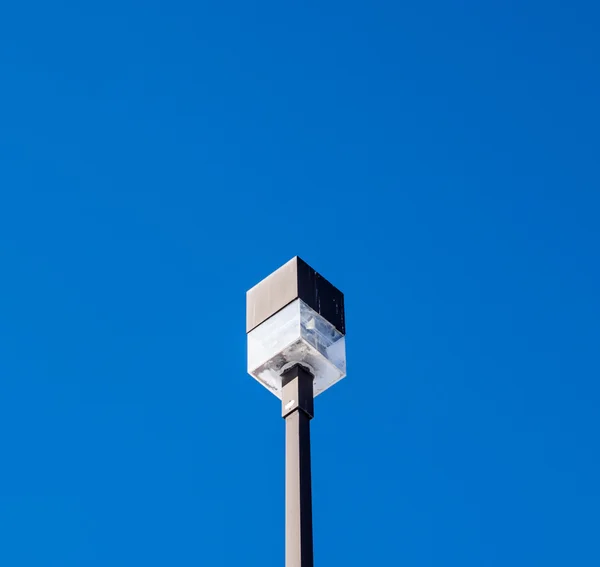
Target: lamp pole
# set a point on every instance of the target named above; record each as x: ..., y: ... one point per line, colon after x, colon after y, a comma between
x: 296, y: 349
x: 297, y: 410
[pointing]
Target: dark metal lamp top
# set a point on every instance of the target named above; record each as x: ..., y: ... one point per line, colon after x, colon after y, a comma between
x: 294, y: 280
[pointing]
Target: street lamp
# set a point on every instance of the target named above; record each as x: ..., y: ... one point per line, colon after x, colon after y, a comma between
x: 296, y: 349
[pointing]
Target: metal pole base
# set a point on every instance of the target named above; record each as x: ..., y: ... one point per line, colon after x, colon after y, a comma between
x: 297, y: 409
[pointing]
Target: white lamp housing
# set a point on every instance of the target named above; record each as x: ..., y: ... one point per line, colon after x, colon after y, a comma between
x: 296, y: 334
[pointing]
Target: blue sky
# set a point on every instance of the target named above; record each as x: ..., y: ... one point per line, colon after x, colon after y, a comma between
x: 438, y: 162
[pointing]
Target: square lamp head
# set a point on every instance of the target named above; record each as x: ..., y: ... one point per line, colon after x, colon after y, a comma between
x: 295, y: 316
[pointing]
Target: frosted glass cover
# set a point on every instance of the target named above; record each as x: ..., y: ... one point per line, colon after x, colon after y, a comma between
x: 296, y: 334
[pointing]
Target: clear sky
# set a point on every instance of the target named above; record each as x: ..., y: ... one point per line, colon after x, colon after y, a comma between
x: 437, y: 161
